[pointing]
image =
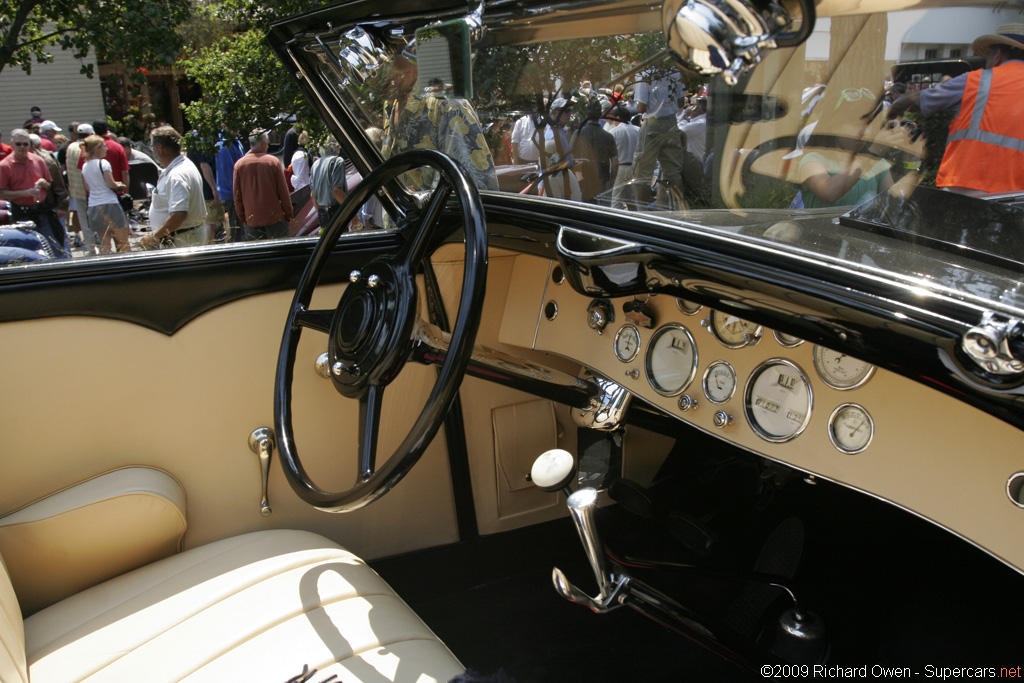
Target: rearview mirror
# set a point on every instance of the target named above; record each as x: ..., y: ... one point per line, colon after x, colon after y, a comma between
x: 727, y: 36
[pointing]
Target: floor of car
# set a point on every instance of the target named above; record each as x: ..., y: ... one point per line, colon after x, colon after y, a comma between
x: 890, y: 588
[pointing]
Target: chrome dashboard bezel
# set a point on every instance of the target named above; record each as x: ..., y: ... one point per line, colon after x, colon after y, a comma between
x: 787, y: 345
x: 651, y: 345
x: 756, y: 337
x: 830, y: 383
x: 615, y: 342
x: 707, y: 373
x: 831, y: 423
x: 748, y: 388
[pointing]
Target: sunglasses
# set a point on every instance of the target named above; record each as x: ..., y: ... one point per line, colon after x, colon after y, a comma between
x: 853, y: 94
x: 21, y: 144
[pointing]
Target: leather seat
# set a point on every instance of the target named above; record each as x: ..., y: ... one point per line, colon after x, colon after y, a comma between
x: 257, y: 607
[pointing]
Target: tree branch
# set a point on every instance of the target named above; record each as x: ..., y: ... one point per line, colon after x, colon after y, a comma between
x: 10, y: 43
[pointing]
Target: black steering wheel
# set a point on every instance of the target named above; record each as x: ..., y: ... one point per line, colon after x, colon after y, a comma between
x: 373, y: 330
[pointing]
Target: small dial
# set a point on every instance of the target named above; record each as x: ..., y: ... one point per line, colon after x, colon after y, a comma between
x: 840, y: 371
x: 787, y: 340
x: 778, y: 400
x: 719, y: 382
x: 734, y: 332
x: 851, y: 428
x: 671, y: 360
x: 688, y: 307
x: 627, y: 343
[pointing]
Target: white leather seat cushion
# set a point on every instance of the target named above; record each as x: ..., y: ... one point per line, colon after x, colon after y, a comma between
x: 251, y: 608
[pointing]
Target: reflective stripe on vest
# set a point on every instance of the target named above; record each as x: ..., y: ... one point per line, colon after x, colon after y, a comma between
x: 985, y: 150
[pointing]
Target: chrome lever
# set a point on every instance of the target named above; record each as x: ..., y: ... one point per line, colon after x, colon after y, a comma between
x: 262, y: 442
x: 611, y: 587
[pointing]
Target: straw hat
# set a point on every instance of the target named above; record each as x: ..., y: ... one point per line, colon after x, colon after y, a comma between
x: 1008, y: 34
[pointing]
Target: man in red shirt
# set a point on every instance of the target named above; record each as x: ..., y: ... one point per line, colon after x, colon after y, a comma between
x: 25, y: 183
x: 261, y: 193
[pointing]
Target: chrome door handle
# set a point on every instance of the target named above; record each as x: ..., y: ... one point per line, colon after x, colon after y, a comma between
x: 262, y: 442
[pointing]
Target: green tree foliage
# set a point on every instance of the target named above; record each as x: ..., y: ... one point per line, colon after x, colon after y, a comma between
x: 139, y: 34
x: 243, y: 83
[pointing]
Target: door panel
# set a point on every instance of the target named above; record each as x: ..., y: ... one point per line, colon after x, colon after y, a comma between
x: 87, y: 395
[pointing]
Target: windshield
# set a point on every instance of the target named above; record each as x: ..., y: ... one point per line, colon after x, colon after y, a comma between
x: 814, y: 150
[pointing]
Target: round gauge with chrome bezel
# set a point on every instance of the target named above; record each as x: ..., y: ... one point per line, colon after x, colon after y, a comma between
x: 788, y: 340
x: 671, y: 360
x: 627, y: 343
x: 733, y: 331
x: 719, y: 382
x: 851, y: 428
x: 688, y: 307
x: 778, y: 400
x: 839, y: 370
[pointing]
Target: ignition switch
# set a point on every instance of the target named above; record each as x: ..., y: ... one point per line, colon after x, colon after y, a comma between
x: 599, y: 314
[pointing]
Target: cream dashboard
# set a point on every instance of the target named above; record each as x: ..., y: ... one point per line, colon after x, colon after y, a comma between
x: 821, y: 412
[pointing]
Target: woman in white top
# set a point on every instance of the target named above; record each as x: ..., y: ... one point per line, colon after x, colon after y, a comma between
x: 300, y: 164
x: 106, y: 218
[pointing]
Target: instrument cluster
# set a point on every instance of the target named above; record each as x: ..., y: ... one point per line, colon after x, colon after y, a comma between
x: 777, y: 394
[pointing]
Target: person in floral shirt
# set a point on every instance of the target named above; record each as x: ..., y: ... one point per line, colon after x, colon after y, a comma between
x: 421, y: 120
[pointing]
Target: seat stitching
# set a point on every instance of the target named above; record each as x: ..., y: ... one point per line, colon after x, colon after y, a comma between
x: 239, y: 589
x: 211, y: 605
x: 300, y: 612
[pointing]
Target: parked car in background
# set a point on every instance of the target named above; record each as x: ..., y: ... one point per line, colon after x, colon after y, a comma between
x: 718, y: 437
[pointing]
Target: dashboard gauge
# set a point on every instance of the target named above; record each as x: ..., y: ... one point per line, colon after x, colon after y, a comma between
x: 688, y: 307
x: 627, y: 343
x: 734, y: 332
x: 840, y: 371
x: 778, y: 400
x: 787, y: 340
x: 719, y: 382
x: 851, y: 428
x: 671, y: 360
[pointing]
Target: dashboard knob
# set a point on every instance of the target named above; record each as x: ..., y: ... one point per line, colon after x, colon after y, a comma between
x: 723, y: 419
x: 599, y: 314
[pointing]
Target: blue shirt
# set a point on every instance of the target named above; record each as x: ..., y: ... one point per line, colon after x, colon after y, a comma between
x: 227, y: 154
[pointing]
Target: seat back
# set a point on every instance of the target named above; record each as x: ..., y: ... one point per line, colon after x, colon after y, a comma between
x: 13, y: 664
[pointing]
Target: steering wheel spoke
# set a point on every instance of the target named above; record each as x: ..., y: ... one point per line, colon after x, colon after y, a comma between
x: 370, y: 404
x: 319, y: 320
x: 414, y: 250
x: 370, y: 334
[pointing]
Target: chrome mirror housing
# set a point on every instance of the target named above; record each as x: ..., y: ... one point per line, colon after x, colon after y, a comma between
x: 727, y: 36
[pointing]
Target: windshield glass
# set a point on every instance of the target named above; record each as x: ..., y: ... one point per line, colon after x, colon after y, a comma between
x: 807, y: 150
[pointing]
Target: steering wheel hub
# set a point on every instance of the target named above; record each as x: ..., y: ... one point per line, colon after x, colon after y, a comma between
x: 369, y: 326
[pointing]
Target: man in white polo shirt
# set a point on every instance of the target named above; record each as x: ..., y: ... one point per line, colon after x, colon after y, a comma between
x: 177, y: 209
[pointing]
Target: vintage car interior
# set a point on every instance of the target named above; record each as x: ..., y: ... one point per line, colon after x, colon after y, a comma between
x: 687, y: 436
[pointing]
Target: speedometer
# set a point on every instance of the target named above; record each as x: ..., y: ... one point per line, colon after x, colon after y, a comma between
x: 778, y: 400
x: 671, y: 360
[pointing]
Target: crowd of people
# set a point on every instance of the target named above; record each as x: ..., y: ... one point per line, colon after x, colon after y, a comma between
x: 75, y: 188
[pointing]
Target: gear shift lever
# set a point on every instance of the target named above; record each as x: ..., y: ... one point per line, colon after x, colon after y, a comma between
x: 581, y: 506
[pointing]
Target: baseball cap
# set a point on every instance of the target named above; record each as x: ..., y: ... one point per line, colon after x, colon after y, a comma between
x: 49, y: 125
x: 85, y: 129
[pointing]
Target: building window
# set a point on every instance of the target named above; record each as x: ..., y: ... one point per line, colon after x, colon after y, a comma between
x: 931, y: 53
x: 955, y: 53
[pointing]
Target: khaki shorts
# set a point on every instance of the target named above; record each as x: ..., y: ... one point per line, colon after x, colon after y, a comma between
x: 214, y: 212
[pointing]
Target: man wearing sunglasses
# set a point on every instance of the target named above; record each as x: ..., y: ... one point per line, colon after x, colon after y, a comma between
x: 25, y: 182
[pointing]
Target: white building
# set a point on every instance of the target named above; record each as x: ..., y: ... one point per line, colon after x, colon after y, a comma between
x: 59, y: 89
